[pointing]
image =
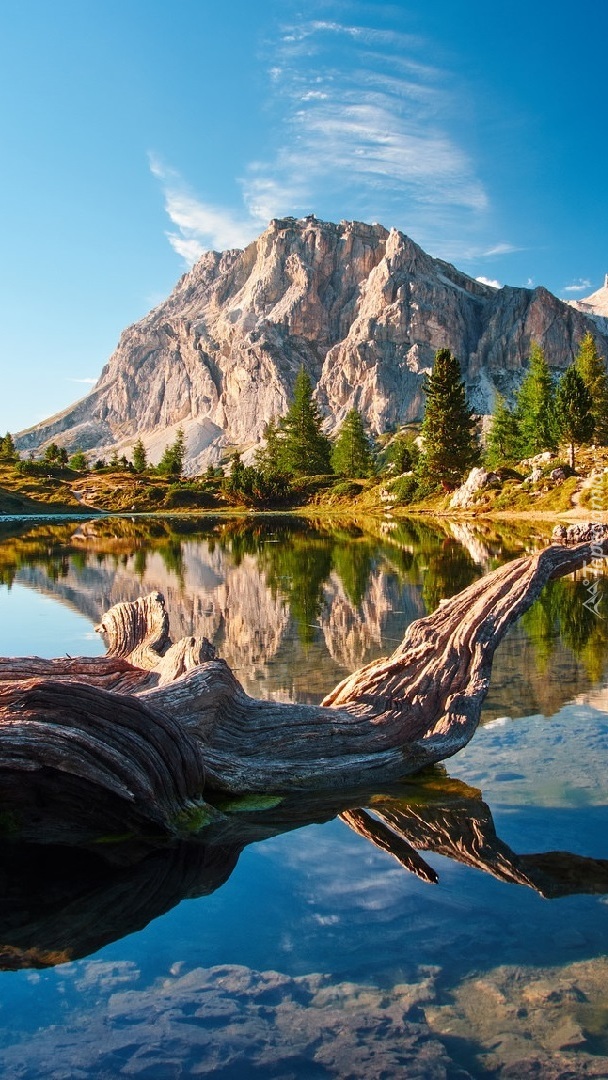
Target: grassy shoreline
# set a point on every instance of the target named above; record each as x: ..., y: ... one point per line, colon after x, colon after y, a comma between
x: 62, y: 491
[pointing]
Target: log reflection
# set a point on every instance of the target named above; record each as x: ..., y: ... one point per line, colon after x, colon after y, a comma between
x: 59, y: 904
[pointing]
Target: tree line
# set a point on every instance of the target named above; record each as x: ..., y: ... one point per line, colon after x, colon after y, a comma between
x: 546, y: 413
x: 171, y: 464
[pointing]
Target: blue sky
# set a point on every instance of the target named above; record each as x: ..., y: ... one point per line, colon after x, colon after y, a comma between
x: 138, y: 133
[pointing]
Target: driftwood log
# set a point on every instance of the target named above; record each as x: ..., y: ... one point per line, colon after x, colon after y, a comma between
x: 150, y: 738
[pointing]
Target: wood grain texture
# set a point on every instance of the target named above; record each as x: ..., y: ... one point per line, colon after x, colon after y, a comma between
x: 148, y: 736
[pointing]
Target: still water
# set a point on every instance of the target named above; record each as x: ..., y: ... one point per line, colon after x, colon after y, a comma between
x: 310, y: 952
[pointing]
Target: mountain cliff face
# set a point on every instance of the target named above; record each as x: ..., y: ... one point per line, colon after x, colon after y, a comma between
x: 363, y: 309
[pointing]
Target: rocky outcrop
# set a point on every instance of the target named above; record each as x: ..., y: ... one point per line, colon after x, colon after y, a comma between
x: 363, y: 309
x: 477, y: 480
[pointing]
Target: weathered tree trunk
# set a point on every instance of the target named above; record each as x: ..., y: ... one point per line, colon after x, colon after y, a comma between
x: 149, y: 736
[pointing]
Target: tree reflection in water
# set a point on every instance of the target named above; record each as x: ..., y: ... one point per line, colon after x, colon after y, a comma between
x: 59, y: 904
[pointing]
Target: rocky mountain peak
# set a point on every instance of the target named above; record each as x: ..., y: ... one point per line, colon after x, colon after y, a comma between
x: 362, y: 308
x: 596, y: 305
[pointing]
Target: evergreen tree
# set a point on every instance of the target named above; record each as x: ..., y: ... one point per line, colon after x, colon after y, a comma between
x: 401, y: 454
x: 450, y: 445
x: 352, y: 454
x: 7, y: 448
x: 268, y: 457
x: 573, y: 405
x: 234, y: 482
x: 503, y: 438
x: 55, y: 455
x: 172, y: 461
x: 140, y: 457
x: 78, y: 461
x: 304, y: 449
x: 592, y: 369
x: 535, y: 409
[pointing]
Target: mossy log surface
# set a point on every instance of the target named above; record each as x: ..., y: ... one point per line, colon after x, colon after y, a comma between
x: 150, y: 737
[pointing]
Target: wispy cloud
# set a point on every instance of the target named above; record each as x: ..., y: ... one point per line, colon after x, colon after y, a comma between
x: 362, y: 126
x: 489, y: 281
x: 500, y: 249
x: 366, y: 116
x: 89, y: 382
x: 578, y: 286
x: 199, y: 226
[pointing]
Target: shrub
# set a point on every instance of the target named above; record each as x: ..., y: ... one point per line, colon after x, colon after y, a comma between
x: 154, y: 493
x: 43, y: 468
x: 346, y: 489
x: 188, y: 495
x: 405, y: 488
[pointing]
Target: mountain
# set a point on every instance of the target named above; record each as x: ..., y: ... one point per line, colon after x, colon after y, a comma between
x: 595, y: 307
x: 363, y: 309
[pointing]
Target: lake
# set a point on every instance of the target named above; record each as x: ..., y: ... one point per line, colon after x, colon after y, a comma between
x: 310, y: 952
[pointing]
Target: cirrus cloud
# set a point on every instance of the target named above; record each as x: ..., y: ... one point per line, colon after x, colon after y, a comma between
x: 362, y: 126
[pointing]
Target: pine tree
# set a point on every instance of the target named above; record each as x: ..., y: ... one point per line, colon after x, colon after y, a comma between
x: 352, y: 454
x: 7, y: 448
x: 304, y: 449
x: 140, y: 457
x: 535, y: 409
x: 400, y: 454
x: 573, y: 405
x: 450, y: 445
x: 234, y: 481
x: 504, y: 437
x: 592, y: 369
x: 55, y: 455
x: 78, y: 462
x: 268, y: 457
x: 172, y: 461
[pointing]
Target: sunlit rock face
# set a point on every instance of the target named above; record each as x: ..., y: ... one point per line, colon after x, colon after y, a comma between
x: 595, y: 306
x: 363, y: 309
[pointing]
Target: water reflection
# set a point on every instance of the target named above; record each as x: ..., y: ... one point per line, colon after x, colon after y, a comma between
x: 59, y: 905
x: 292, y: 605
x: 315, y: 953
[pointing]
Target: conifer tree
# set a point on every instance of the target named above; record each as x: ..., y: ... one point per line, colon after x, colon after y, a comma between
x: 535, y: 408
x: 268, y: 457
x: 304, y: 449
x: 55, y: 455
x: 79, y: 462
x: 172, y: 461
x: 140, y: 457
x: 401, y: 453
x: 592, y: 369
x: 352, y: 454
x: 234, y: 482
x: 573, y: 405
x: 7, y: 448
x: 450, y: 445
x: 503, y: 438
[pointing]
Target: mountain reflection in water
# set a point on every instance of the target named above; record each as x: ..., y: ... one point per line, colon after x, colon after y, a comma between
x: 292, y: 607
x: 316, y: 953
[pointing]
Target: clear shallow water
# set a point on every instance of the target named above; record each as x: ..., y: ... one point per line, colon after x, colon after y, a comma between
x: 313, y: 953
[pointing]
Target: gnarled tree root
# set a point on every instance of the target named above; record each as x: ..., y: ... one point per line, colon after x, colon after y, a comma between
x: 146, y: 737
